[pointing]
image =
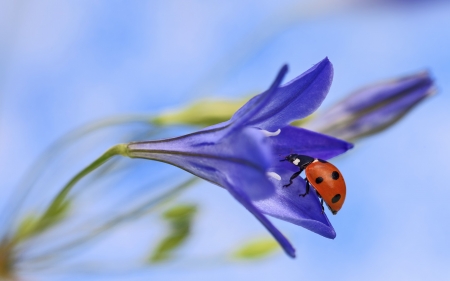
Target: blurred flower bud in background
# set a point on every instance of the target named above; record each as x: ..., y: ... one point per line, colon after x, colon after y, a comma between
x: 373, y: 108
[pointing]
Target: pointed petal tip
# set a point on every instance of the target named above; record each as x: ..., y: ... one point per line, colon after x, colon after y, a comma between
x: 423, y: 78
x: 423, y: 75
x: 350, y: 145
x: 283, y: 70
x: 288, y: 249
x: 329, y: 233
x: 332, y: 234
x: 291, y: 253
x: 325, y: 67
x: 322, y: 65
x: 432, y: 91
x: 281, y: 73
x: 326, y: 60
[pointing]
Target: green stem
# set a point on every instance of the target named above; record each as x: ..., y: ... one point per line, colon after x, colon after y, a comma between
x: 53, y: 255
x: 120, y: 149
x: 36, y: 170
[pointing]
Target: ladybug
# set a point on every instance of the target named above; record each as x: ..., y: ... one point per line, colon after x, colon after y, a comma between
x: 326, y: 179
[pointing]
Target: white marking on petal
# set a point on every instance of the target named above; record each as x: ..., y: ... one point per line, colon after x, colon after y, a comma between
x: 274, y: 175
x: 296, y: 161
x: 271, y: 134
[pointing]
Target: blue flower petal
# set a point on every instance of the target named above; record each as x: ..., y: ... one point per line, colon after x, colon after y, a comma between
x: 247, y: 114
x: 247, y: 203
x: 297, y: 99
x: 300, y: 141
x: 286, y: 204
x: 238, y: 163
x: 215, y: 160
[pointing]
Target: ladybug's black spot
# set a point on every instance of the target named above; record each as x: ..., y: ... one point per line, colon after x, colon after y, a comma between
x: 335, y: 175
x: 322, y: 161
x: 336, y: 198
x: 319, y: 180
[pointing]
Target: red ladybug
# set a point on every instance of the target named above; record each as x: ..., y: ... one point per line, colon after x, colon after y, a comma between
x: 326, y: 179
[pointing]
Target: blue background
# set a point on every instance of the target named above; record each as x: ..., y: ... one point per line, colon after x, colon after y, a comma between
x: 65, y: 63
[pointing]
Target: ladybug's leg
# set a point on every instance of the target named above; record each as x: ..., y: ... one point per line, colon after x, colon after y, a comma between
x: 307, y: 189
x: 321, y: 202
x: 296, y: 174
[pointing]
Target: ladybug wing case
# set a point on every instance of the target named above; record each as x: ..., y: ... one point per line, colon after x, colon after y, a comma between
x: 329, y: 183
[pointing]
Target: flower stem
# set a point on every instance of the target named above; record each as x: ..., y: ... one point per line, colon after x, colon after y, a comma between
x: 57, y: 203
x: 53, y: 255
x: 37, y: 169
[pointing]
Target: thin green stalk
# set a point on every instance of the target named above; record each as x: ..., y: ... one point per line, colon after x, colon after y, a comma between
x: 36, y: 169
x: 120, y: 149
x: 43, y: 160
x: 59, y: 205
x: 144, y: 208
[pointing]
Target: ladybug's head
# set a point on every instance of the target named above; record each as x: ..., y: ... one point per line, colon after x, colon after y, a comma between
x: 291, y: 157
x: 299, y: 160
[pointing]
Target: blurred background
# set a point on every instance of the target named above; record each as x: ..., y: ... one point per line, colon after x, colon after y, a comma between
x: 65, y: 64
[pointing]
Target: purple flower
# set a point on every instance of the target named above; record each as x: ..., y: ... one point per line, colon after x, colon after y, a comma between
x: 374, y: 108
x: 242, y: 154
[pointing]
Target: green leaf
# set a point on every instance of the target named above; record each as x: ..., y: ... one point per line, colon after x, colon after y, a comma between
x: 180, y: 219
x: 180, y: 211
x: 256, y: 249
x: 164, y: 250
